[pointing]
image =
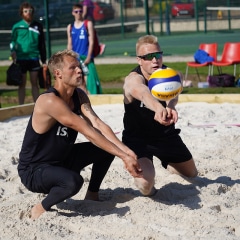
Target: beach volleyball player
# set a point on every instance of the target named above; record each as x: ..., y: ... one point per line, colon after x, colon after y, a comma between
x: 149, y: 124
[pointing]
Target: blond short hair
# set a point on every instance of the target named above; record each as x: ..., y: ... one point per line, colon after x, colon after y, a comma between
x: 147, y: 39
x: 56, y: 60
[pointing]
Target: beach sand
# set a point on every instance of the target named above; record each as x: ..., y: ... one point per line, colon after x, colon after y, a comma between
x: 205, y: 208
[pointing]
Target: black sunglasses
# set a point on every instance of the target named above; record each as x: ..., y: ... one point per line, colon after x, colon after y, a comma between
x: 150, y: 56
x: 78, y: 11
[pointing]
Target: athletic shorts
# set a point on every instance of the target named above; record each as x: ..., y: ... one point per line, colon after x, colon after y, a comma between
x: 31, y: 65
x: 169, y: 150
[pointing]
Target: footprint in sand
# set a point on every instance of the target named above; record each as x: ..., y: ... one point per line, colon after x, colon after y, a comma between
x: 4, y: 173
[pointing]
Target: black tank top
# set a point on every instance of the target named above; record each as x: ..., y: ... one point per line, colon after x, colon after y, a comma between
x: 139, y: 121
x: 49, y: 147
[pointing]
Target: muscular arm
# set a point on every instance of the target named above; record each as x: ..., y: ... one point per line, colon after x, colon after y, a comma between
x: 105, y: 129
x: 91, y: 117
x: 134, y: 87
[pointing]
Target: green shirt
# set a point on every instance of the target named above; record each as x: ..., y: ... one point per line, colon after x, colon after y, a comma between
x: 28, y: 41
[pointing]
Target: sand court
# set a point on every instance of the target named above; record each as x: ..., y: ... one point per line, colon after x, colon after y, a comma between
x: 207, y: 207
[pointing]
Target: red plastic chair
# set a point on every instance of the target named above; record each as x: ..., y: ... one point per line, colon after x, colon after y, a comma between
x: 230, y: 56
x: 211, y: 49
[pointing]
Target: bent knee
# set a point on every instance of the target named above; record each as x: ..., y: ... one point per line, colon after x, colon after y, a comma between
x: 144, y: 186
x: 186, y: 169
x: 74, y: 184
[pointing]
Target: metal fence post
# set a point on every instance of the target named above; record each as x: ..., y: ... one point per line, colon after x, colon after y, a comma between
x: 146, y: 16
x: 122, y: 18
x: 229, y: 16
x: 167, y: 19
x: 160, y: 17
x: 48, y: 40
x: 196, y: 14
x: 205, y: 20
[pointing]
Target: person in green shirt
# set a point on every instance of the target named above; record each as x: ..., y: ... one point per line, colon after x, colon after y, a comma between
x: 27, y: 48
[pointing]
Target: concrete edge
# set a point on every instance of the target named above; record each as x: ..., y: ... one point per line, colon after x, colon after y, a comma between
x: 26, y: 109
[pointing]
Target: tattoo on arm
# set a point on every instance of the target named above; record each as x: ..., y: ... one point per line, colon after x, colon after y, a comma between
x: 86, y: 107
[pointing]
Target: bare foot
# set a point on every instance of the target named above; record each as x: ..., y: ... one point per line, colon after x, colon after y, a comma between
x: 92, y: 196
x: 37, y: 211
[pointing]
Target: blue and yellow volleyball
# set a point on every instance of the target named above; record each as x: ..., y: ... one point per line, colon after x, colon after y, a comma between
x: 165, y: 84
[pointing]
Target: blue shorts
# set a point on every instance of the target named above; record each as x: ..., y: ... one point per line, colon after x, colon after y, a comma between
x: 31, y: 65
x: 171, y: 149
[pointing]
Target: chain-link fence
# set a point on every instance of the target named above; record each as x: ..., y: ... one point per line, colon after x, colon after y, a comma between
x: 125, y: 19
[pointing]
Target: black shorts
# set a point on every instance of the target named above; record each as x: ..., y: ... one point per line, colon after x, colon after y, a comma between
x: 171, y: 149
x: 31, y: 65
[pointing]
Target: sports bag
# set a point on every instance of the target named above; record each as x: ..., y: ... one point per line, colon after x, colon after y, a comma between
x: 221, y: 80
x: 201, y: 56
x: 14, y: 75
x: 44, y: 77
x: 96, y: 46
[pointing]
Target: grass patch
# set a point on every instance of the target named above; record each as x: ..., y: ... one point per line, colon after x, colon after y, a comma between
x: 112, y: 77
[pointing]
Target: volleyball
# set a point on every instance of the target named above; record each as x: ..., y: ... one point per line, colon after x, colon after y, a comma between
x: 165, y: 84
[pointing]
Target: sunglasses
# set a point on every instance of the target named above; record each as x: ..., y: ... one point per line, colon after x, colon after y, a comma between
x: 77, y: 11
x: 27, y: 10
x: 150, y: 56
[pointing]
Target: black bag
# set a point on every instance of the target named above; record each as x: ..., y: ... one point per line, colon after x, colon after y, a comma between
x: 44, y: 78
x: 14, y: 75
x: 221, y: 80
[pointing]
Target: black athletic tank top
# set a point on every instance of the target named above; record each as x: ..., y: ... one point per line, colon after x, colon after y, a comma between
x: 49, y: 147
x: 139, y: 121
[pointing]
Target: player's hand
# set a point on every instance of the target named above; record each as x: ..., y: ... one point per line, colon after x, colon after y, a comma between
x: 172, y: 114
x: 132, y: 166
x: 162, y: 116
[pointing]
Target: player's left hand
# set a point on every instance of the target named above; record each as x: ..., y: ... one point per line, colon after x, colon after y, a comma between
x: 172, y: 114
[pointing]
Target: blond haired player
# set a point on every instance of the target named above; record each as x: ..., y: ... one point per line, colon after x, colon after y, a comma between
x: 149, y: 124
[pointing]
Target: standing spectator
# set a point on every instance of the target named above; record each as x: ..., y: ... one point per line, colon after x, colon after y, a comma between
x: 81, y: 40
x: 27, y: 45
x: 88, y: 8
